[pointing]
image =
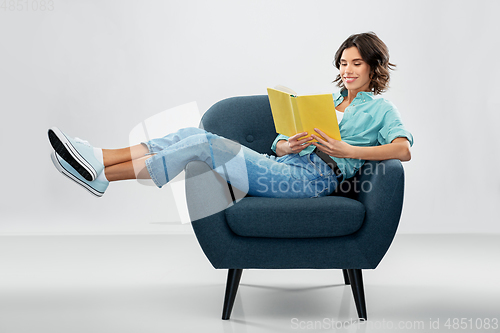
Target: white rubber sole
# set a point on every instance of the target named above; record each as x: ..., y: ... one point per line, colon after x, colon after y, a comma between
x: 68, y: 174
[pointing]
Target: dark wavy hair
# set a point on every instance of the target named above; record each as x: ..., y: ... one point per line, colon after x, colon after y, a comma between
x: 375, y: 53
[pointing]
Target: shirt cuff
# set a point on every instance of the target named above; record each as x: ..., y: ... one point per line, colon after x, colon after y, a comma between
x: 278, y: 138
x: 401, y: 133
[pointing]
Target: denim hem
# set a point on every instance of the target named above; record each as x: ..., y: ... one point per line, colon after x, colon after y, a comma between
x: 151, y: 173
x: 147, y: 146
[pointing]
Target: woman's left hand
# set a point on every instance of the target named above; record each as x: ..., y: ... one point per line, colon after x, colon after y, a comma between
x: 331, y: 146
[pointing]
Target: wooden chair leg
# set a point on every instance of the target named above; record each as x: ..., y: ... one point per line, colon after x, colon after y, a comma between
x: 346, y: 277
x: 356, y: 279
x: 233, y: 281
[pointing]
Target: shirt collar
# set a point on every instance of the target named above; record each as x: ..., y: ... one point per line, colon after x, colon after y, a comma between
x: 339, y: 96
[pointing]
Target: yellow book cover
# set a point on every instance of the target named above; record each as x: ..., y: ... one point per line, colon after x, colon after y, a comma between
x: 294, y: 114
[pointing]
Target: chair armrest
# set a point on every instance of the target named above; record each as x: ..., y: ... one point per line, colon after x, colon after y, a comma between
x: 381, y: 191
x: 207, y: 193
x: 207, y: 196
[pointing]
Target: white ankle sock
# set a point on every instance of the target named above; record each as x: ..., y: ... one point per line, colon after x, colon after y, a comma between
x: 98, y: 154
x: 102, y: 177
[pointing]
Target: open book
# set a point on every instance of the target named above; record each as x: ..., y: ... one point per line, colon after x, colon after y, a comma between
x: 295, y: 114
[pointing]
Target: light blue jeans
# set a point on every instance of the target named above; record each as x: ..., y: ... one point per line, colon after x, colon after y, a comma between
x: 289, y: 176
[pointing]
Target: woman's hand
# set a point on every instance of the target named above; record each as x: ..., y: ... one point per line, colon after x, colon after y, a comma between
x: 293, y: 145
x: 331, y: 146
x: 399, y: 149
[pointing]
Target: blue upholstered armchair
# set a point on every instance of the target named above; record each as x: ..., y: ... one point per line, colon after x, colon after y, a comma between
x: 349, y: 230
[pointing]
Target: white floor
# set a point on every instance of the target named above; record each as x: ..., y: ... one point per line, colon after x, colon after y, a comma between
x: 94, y: 284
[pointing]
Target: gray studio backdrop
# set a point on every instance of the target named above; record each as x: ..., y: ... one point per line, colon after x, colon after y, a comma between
x: 97, y: 69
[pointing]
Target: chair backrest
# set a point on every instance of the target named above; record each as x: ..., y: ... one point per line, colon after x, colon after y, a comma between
x: 246, y: 119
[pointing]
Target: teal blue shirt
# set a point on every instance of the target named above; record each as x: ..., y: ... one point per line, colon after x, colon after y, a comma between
x: 369, y: 120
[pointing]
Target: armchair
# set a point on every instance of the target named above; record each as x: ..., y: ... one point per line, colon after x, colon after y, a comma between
x: 351, y: 229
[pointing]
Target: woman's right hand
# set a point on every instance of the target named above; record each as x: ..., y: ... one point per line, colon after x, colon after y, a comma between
x: 293, y: 145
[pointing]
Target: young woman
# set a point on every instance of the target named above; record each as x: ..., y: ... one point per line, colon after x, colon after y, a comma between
x: 370, y: 127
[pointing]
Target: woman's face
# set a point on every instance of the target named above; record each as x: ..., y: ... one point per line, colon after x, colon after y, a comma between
x: 354, y: 71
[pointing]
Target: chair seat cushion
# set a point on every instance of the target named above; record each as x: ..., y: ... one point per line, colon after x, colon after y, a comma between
x: 284, y: 218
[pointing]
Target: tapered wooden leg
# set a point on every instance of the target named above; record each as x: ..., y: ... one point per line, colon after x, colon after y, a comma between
x: 346, y: 276
x: 233, y: 281
x: 356, y: 279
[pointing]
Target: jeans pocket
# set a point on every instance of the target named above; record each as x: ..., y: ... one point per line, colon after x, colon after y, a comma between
x: 321, y: 167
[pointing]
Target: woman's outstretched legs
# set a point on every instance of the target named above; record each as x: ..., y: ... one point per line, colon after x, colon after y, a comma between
x: 130, y: 162
x: 163, y: 158
x: 93, y: 168
x: 126, y: 163
x: 131, y: 169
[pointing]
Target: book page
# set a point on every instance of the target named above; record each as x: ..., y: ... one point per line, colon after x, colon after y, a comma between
x: 281, y: 107
x: 318, y: 111
x: 296, y: 116
x: 285, y: 89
